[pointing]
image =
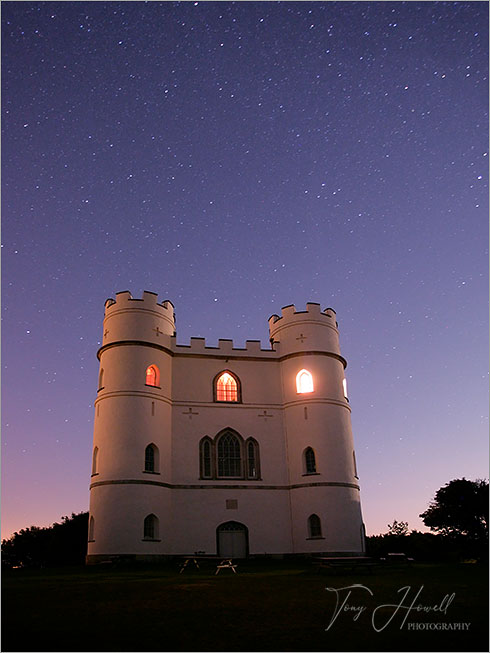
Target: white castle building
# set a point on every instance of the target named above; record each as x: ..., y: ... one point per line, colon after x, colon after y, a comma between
x: 220, y: 450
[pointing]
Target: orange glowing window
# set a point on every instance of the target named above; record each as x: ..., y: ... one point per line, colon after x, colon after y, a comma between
x: 226, y: 388
x: 304, y: 382
x: 152, y: 375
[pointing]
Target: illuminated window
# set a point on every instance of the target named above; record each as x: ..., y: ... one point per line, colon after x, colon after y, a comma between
x: 151, y: 458
x: 314, y: 526
x: 94, y: 460
x: 226, y: 387
x: 304, y: 382
x: 152, y: 376
x: 310, y: 462
x: 205, y: 458
x: 150, y: 528
x: 91, y: 529
x: 344, y: 383
x: 229, y: 456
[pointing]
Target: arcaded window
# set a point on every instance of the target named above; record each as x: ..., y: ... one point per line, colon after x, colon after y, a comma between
x: 252, y: 458
x: 91, y: 529
x: 227, y: 387
x: 101, y: 379
x: 314, y: 526
x: 151, y: 458
x: 205, y: 452
x: 304, y: 382
x: 229, y: 456
x: 94, y: 460
x: 150, y: 528
x: 310, y: 462
x: 152, y: 375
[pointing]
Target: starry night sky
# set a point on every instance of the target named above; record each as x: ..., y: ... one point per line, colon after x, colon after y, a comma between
x: 236, y: 158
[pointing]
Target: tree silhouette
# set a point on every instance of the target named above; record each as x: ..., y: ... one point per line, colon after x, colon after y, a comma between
x: 398, y: 528
x: 59, y: 544
x: 460, y: 508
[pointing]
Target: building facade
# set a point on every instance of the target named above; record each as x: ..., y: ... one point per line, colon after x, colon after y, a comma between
x: 219, y: 450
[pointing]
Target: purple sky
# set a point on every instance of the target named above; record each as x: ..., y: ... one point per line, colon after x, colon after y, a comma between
x: 236, y: 158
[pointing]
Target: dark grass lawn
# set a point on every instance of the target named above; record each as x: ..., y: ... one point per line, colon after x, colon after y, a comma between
x: 273, y: 606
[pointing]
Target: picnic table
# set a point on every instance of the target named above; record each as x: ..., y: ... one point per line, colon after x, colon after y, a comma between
x: 398, y: 557
x: 222, y: 563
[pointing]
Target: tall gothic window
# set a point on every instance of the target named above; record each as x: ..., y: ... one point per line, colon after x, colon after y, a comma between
x: 252, y: 459
x: 304, y: 382
x: 229, y: 456
x: 152, y: 375
x: 151, y: 458
x: 94, y: 460
x: 91, y: 529
x: 314, y: 526
x: 310, y: 462
x: 150, y: 528
x: 206, y: 458
x: 227, y: 387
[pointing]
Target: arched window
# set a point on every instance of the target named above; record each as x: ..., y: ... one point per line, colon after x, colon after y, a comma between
x: 94, y: 460
x: 101, y: 379
x: 229, y: 456
x: 227, y: 387
x: 151, y: 458
x: 153, y: 376
x: 344, y: 386
x: 314, y: 526
x: 310, y: 462
x: 91, y: 529
x: 205, y: 450
x: 252, y: 451
x: 304, y: 382
x: 355, y: 464
x: 150, y: 528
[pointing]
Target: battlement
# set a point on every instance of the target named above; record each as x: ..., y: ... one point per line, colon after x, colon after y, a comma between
x: 225, y: 348
x: 313, y: 310
x: 124, y: 300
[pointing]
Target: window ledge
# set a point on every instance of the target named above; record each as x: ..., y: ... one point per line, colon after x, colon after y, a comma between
x: 219, y: 401
x: 316, y: 537
x: 228, y: 478
x: 90, y: 541
x: 145, y: 471
x: 148, y: 539
x: 96, y: 474
x: 312, y: 474
x: 157, y: 387
x: 101, y: 388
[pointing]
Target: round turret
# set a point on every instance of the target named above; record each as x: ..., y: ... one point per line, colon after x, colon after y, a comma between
x: 132, y: 428
x: 320, y: 447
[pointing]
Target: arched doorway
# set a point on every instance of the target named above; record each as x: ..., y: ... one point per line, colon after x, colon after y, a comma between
x: 232, y: 538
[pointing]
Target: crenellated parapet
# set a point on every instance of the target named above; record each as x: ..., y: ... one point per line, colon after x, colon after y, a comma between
x: 128, y: 318
x: 313, y: 311
x: 225, y: 348
x: 125, y: 301
x: 309, y: 330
